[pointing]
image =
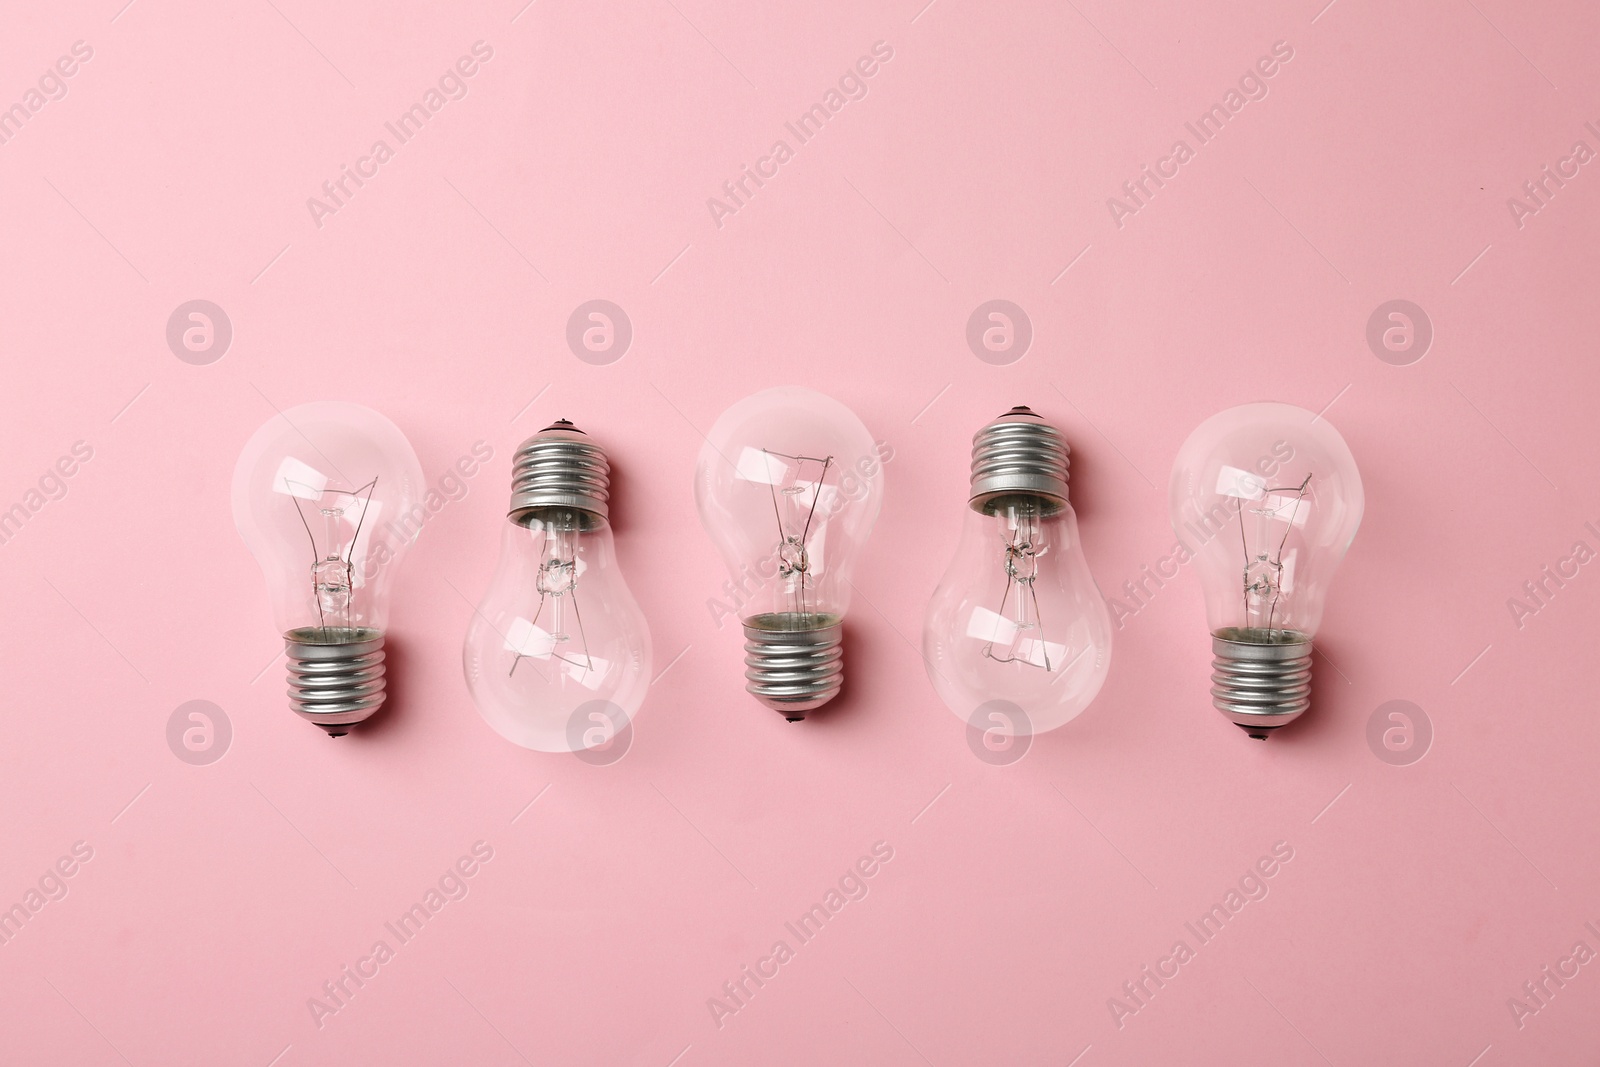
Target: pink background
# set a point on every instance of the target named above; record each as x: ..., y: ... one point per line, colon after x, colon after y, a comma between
x: 1020, y: 898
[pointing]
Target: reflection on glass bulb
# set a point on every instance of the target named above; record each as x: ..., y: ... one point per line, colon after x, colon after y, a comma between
x: 328, y: 498
x: 1268, y: 498
x: 789, y: 485
x: 1017, y: 630
x: 557, y: 655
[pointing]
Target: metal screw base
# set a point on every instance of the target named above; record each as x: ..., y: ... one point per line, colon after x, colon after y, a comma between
x: 1257, y: 684
x: 559, y: 469
x: 336, y: 675
x: 1019, y: 456
x: 793, y: 665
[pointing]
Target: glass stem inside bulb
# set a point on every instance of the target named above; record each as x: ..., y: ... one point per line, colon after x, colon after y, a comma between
x: 1019, y: 602
x: 558, y: 614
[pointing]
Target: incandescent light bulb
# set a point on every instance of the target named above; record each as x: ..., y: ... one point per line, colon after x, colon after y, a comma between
x: 1017, y: 623
x: 1266, y: 498
x: 789, y: 484
x: 558, y: 653
x: 328, y: 498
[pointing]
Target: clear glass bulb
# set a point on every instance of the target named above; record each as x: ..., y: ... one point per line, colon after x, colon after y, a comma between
x: 557, y: 655
x: 1017, y: 629
x: 328, y: 497
x: 1266, y: 498
x: 789, y: 485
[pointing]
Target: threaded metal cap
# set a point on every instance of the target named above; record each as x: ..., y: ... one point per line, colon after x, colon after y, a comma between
x: 1260, y: 684
x: 336, y: 675
x: 793, y: 663
x: 1018, y: 455
x: 559, y: 468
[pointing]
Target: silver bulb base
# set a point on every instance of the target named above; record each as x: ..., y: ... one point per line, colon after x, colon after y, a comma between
x: 1019, y: 457
x: 336, y: 675
x: 556, y: 470
x: 793, y: 663
x: 1260, y: 684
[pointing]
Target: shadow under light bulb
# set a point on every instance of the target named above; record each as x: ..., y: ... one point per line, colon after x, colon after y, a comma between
x: 327, y: 496
x: 557, y: 655
x: 1017, y: 624
x: 1267, y: 498
x: 789, y: 485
